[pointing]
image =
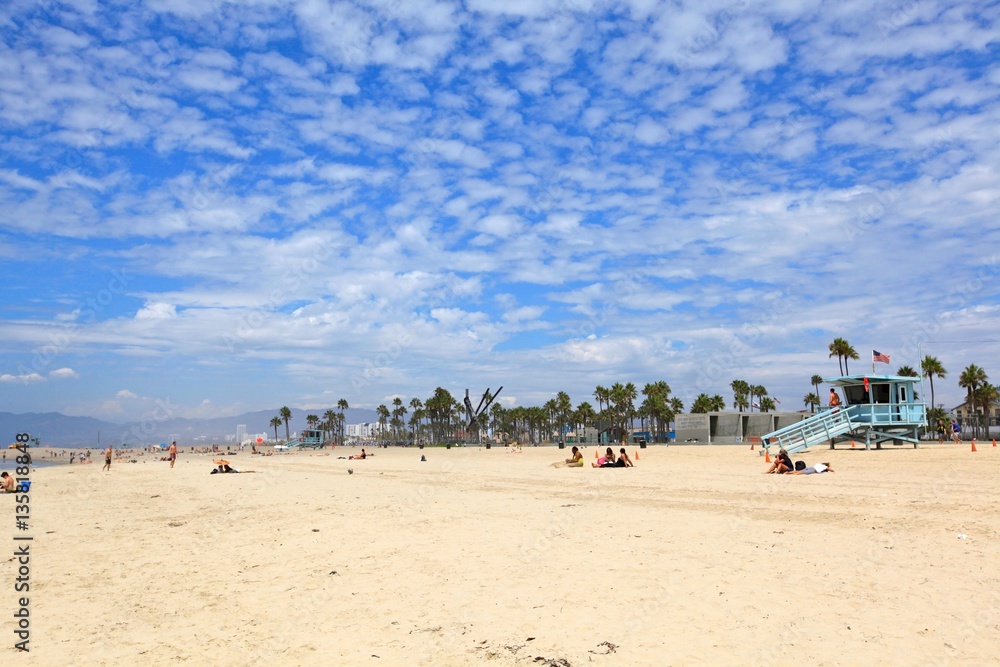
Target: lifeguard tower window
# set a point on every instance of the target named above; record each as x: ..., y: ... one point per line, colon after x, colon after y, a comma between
x: 856, y: 394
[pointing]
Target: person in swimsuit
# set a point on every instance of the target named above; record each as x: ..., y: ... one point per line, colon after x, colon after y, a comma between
x: 577, y: 459
x: 834, y: 399
x: 623, y: 460
x: 173, y: 453
x: 107, y: 459
x: 606, y: 461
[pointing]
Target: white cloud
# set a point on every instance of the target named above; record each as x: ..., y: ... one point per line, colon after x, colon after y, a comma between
x: 157, y: 311
x: 62, y: 373
x: 26, y: 378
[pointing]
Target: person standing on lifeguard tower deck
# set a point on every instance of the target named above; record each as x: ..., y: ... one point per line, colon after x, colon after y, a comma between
x: 834, y: 399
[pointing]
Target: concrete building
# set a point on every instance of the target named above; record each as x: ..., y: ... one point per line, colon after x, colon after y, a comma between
x: 731, y: 427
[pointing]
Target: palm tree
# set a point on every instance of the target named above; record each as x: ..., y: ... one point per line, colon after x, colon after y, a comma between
x: 330, y: 418
x: 275, y: 422
x: 286, y: 414
x: 550, y: 410
x: 971, y: 379
x: 398, y: 410
x: 342, y: 405
x: 740, y: 391
x: 312, y: 420
x: 717, y: 404
x: 766, y: 404
x: 702, y: 404
x: 811, y: 400
x: 584, y: 414
x: 849, y: 353
x: 907, y: 372
x: 417, y: 408
x: 563, y: 409
x: 837, y: 348
x: 383, y: 416
x: 816, y: 381
x: 986, y: 395
x: 603, y: 396
x: 932, y: 368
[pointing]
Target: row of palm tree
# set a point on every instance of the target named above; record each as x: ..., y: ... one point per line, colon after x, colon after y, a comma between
x: 744, y: 394
x: 332, y: 423
x: 442, y: 418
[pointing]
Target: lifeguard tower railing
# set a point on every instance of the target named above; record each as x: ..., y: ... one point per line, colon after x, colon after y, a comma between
x: 871, y: 423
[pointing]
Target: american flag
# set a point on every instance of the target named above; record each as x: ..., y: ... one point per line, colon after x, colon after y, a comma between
x: 878, y: 356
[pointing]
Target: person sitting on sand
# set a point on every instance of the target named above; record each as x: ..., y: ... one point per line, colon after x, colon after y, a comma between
x: 782, y: 463
x: 813, y: 470
x: 223, y: 467
x: 577, y: 459
x: 623, y: 460
x: 362, y: 456
x: 606, y: 461
x: 8, y: 483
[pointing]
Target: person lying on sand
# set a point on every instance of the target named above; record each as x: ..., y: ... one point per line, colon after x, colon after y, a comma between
x: 224, y: 467
x: 813, y: 470
x: 782, y: 463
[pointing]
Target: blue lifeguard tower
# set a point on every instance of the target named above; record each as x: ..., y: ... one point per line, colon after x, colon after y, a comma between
x: 311, y: 438
x: 876, y: 409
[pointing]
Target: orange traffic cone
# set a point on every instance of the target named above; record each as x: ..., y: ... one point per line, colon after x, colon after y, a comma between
x: 595, y: 454
x: 852, y: 444
x: 751, y: 445
x: 637, y: 455
x: 974, y: 446
x: 767, y: 456
x: 994, y: 442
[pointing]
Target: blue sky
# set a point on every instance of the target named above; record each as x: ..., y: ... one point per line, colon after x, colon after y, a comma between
x: 231, y: 206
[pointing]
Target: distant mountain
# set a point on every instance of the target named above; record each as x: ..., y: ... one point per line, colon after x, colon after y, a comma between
x: 59, y: 430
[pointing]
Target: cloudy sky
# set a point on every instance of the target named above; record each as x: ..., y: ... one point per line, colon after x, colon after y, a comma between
x: 224, y: 206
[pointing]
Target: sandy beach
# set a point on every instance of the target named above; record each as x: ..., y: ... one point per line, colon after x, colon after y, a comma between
x: 487, y: 557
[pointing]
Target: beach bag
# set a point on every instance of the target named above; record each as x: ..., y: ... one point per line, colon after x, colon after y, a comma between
x: 800, y: 465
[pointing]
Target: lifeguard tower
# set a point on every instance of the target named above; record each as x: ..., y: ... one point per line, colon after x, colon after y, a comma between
x: 311, y: 438
x: 877, y: 409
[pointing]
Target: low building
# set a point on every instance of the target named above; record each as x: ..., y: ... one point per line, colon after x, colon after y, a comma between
x: 963, y: 413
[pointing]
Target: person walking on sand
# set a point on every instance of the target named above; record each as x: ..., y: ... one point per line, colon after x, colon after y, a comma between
x: 956, y: 432
x: 173, y: 453
x: 107, y: 459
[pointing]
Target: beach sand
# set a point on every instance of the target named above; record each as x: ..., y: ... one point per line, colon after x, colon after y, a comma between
x: 485, y: 557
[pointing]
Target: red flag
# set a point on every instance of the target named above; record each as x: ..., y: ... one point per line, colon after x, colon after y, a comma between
x: 866, y: 384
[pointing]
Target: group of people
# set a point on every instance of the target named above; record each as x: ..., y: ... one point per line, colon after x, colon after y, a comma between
x: 783, y: 465
x: 606, y: 461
